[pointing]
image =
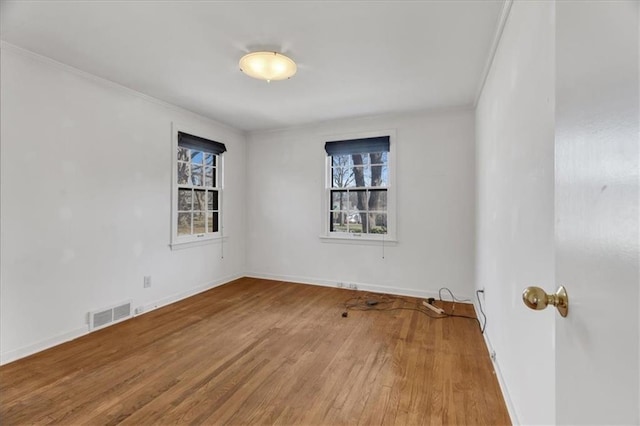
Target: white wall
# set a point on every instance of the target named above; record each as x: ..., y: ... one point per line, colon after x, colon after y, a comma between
x: 86, y: 184
x: 515, y: 195
x: 435, y: 207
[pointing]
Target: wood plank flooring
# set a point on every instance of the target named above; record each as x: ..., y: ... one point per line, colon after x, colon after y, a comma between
x: 263, y: 352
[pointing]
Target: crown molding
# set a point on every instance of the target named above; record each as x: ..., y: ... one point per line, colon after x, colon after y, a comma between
x: 502, y: 21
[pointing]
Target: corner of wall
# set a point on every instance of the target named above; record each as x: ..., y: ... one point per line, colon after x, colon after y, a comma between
x: 498, y: 372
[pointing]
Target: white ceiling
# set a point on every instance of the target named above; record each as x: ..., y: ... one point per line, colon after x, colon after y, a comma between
x: 354, y: 58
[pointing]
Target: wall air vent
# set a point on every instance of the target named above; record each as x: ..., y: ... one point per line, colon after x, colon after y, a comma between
x: 108, y: 316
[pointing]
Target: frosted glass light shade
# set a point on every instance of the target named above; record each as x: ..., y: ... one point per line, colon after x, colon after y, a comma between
x: 268, y: 66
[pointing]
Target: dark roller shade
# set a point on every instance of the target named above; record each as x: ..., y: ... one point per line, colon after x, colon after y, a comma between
x: 201, y: 144
x: 357, y: 146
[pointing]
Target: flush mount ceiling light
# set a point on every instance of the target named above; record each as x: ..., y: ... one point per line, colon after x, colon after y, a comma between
x: 268, y: 66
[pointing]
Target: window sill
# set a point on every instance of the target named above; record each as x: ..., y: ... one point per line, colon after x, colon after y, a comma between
x: 196, y: 243
x: 361, y: 240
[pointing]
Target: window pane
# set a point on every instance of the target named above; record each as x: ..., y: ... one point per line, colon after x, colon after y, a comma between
x: 358, y: 200
x: 183, y: 173
x: 216, y: 222
x: 378, y: 200
x: 212, y: 200
x: 208, y: 176
x: 354, y: 217
x: 359, y: 176
x: 184, y: 223
x: 184, y: 199
x: 338, y: 222
x: 212, y: 222
x: 367, y: 176
x: 209, y: 222
x: 198, y: 223
x: 183, y: 154
x: 339, y: 200
x: 199, y: 200
x: 377, y: 157
x: 342, y: 177
x: 377, y: 223
x: 197, y: 157
x: 341, y: 161
x: 357, y: 222
x: 379, y: 176
x: 209, y: 159
x: 196, y: 176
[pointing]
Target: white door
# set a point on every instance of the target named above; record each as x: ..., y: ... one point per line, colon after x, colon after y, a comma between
x: 596, y: 189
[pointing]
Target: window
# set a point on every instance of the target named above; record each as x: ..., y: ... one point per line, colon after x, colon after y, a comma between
x: 197, y: 191
x: 358, y: 188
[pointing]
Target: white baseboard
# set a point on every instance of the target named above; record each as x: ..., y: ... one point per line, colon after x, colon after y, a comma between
x: 496, y: 367
x: 183, y: 295
x: 16, y: 354
x: 374, y: 288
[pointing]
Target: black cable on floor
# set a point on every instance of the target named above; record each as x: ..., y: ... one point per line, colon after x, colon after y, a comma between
x: 384, y: 303
x: 484, y: 323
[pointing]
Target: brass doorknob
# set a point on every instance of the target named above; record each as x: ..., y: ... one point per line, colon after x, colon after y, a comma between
x: 537, y: 299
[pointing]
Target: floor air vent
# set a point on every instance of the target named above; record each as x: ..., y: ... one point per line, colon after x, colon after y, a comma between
x: 108, y: 316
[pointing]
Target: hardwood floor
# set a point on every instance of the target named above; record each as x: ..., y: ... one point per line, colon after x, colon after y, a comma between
x: 263, y: 352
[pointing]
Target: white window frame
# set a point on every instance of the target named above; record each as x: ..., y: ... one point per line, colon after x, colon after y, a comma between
x: 186, y: 241
x: 361, y: 238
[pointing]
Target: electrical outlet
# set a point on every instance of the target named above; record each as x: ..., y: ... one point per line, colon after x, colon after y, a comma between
x: 353, y: 286
x: 339, y: 285
x: 147, y: 281
x: 493, y: 356
x: 139, y: 310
